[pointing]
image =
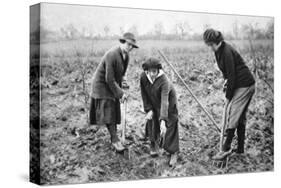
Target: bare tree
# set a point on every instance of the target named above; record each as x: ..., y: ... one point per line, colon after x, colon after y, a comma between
x: 235, y: 28
x: 72, y: 32
x: 183, y: 29
x: 106, y: 30
x: 270, y: 30
x: 206, y: 26
x: 158, y: 29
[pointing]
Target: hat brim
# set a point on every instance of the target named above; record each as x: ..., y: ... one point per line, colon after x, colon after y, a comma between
x: 125, y: 40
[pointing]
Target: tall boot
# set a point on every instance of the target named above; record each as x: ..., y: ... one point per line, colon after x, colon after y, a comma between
x: 228, y: 140
x: 154, y: 149
x: 112, y: 129
x: 241, y: 129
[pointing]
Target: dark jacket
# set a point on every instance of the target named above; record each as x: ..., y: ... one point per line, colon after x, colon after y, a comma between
x: 233, y: 68
x: 159, y: 97
x: 107, y: 79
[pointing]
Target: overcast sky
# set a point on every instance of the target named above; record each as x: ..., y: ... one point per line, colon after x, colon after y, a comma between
x: 93, y: 19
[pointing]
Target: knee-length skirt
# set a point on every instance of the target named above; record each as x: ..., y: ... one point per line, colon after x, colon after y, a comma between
x: 104, y: 111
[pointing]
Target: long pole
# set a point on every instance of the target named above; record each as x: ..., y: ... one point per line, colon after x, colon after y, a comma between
x: 223, y: 125
x: 186, y: 86
x: 124, y: 123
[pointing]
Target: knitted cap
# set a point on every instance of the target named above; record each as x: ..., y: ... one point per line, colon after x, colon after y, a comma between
x: 151, y: 63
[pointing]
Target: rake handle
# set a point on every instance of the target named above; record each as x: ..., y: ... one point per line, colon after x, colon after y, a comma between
x: 186, y: 86
x: 223, y: 125
x: 124, y: 123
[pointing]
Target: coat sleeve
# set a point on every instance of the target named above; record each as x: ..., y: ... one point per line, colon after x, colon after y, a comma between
x: 164, y: 101
x: 145, y: 98
x: 110, y: 77
x: 124, y: 76
x: 126, y: 65
x: 229, y: 62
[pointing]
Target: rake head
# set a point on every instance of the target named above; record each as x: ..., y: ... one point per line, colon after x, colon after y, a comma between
x: 221, y: 159
x: 125, y: 153
x: 222, y: 163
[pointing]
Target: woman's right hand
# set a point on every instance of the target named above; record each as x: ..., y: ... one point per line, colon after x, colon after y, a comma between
x: 149, y: 115
x: 124, y: 97
x: 163, y: 128
x: 224, y: 86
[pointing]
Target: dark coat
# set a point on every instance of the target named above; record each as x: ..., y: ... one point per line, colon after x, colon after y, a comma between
x: 234, y: 69
x: 107, y: 79
x: 159, y: 97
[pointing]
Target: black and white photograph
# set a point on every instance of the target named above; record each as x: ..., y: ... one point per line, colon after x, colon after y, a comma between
x: 121, y: 94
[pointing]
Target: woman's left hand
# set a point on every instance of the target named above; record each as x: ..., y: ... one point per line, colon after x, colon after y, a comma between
x: 124, y: 97
x: 163, y: 128
x: 224, y: 86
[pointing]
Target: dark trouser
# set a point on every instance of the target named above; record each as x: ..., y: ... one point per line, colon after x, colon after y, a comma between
x: 241, y: 130
x: 171, y: 141
x: 112, y: 129
x: 240, y: 136
x: 228, y: 140
x: 152, y: 131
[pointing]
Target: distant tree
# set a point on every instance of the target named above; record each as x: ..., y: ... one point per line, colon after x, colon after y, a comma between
x: 106, y: 30
x: 64, y: 33
x: 235, y: 29
x: 253, y: 31
x: 84, y: 33
x: 182, y: 29
x: 158, y: 30
x: 270, y: 30
x: 72, y: 31
x: 206, y: 26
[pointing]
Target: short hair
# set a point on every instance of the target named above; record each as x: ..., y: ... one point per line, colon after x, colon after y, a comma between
x: 212, y: 36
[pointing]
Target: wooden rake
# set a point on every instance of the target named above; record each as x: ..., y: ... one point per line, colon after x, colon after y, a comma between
x: 123, y: 138
x: 126, y: 152
x: 223, y: 162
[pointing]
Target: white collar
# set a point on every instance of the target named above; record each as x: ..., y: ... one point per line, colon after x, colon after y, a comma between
x: 161, y: 72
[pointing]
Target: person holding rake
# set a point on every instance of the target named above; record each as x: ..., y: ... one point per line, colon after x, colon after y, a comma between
x: 239, y: 90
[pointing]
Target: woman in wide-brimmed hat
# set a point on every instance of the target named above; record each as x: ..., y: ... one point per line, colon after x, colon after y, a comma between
x: 107, y: 92
x: 130, y: 39
x: 160, y: 104
x: 239, y: 89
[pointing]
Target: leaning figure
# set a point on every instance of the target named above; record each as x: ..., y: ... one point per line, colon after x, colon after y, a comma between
x: 107, y: 92
x: 160, y: 104
x: 239, y: 90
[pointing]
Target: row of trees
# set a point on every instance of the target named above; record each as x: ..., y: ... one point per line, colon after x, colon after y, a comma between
x: 180, y: 31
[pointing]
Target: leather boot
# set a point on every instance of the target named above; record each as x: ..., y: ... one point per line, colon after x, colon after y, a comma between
x: 241, y: 138
x: 228, y: 140
x: 117, y: 145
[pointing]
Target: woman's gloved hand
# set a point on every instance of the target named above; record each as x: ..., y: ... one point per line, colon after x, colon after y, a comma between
x: 163, y: 128
x: 149, y: 115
